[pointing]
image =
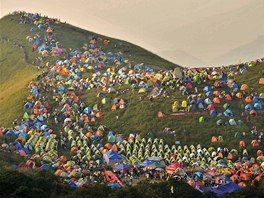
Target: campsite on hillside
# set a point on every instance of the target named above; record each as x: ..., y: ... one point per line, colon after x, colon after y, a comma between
x: 87, y: 115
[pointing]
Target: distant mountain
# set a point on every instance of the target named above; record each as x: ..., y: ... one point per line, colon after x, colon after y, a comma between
x: 243, y: 53
x: 182, y: 58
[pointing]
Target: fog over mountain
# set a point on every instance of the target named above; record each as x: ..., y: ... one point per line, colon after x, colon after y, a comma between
x: 186, y: 32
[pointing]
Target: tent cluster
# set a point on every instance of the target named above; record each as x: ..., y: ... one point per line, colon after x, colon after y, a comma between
x: 91, y: 149
x: 119, y: 104
x: 47, y: 45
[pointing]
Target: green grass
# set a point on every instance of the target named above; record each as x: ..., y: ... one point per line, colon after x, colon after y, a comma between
x: 14, y: 77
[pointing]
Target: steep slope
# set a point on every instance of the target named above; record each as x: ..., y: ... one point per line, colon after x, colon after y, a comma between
x: 15, y: 74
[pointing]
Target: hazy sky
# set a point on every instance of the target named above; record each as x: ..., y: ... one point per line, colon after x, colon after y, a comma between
x: 186, y: 32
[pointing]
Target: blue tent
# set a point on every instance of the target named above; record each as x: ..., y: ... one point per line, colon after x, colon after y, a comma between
x: 72, y: 184
x: 10, y: 133
x: 110, y: 133
x: 94, y: 137
x: 18, y: 145
x: 207, y: 101
x: 234, y: 86
x: 212, y: 113
x: 61, y: 88
x: 45, y: 166
x: 226, y: 188
x: 197, y: 174
x: 248, y: 107
x: 223, y: 76
x: 207, y: 88
x: 255, y: 99
x: 209, y: 93
x: 87, y: 110
x: 230, y: 187
x: 214, y: 190
x: 28, y: 105
x: 34, y: 91
x: 228, y: 113
x: 123, y: 166
x: 114, y: 185
x: 146, y: 162
x: 41, y: 118
x: 258, y: 106
x: 112, y: 155
x: 199, y: 100
x: 44, y: 127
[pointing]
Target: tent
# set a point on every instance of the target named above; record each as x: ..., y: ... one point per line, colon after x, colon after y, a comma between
x: 258, y: 106
x: 226, y: 188
x: 261, y: 81
x: 228, y: 113
x: 232, y: 122
x: 243, y: 87
x: 146, y: 162
x: 123, y: 167
x: 172, y: 167
x: 111, y: 90
x: 112, y: 157
x: 142, y: 90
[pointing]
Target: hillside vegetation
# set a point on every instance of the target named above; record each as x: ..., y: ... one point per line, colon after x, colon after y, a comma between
x: 15, y: 74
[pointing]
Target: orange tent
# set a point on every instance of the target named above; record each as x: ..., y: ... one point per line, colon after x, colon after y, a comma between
x: 93, y: 119
x: 228, y: 97
x: 239, y: 95
x: 243, y: 87
x: 210, y: 77
x: 22, y: 153
x: 58, y: 172
x: 113, y: 107
x: 214, y: 139
x: 241, y: 184
x: 216, y: 100
x: 122, y: 102
x: 30, y: 97
x: 244, y: 176
x: 108, y: 145
x: 88, y: 134
x: 261, y: 81
x: 242, y: 144
x: 99, y: 114
x: 216, y: 93
x: 217, y: 84
x: 229, y: 156
x: 248, y: 99
x: 99, y: 133
x: 115, y: 147
x: 63, y: 158
x: 254, y: 143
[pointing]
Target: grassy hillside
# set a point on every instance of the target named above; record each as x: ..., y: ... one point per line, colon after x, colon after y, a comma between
x: 141, y: 118
x: 15, y: 74
x: 138, y: 117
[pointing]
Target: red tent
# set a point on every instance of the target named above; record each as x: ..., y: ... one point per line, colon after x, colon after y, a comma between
x: 173, y: 167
